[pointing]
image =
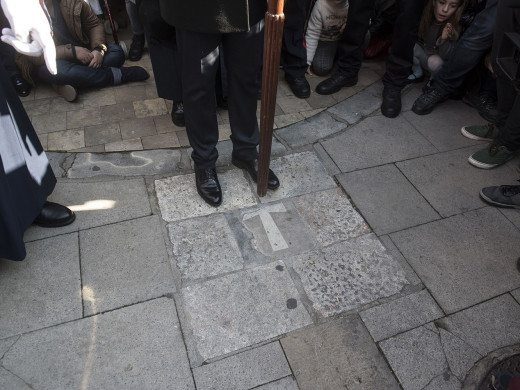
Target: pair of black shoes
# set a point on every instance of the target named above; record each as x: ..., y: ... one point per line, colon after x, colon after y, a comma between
x: 208, y: 186
x: 22, y: 87
x: 54, y: 215
x: 335, y: 82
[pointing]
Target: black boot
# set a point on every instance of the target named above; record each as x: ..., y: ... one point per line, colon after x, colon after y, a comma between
x: 133, y: 73
x: 178, y: 113
x: 136, y: 48
x: 391, y: 106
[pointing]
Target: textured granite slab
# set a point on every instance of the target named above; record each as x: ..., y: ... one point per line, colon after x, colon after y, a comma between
x: 360, y: 105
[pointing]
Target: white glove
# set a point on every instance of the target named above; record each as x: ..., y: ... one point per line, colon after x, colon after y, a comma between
x: 30, y: 32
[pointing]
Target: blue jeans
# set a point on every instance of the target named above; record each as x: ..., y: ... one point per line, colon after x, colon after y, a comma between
x: 81, y: 76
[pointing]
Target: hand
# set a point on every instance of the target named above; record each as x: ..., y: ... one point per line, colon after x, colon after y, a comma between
x: 30, y: 33
x: 447, y: 32
x: 84, y: 55
x: 97, y: 60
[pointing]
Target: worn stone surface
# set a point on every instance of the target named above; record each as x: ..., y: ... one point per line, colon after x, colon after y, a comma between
x: 459, y: 354
x: 11, y: 382
x: 516, y: 294
x: 337, y: 355
x: 245, y: 370
x: 42, y: 290
x: 331, y: 216
x: 445, y: 381
x: 124, y: 146
x: 204, y: 247
x: 150, y: 107
x: 410, y: 274
x: 513, y: 215
x: 287, y: 383
x: 386, y: 199
x: 102, y: 134
x: 136, y: 347
x: 347, y: 275
x: 359, y: 105
x: 66, y: 140
x: 5, y: 344
x: 465, y: 259
x: 400, y: 315
x: 178, y: 197
x: 239, y: 310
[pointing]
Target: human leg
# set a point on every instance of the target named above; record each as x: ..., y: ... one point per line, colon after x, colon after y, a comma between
x: 324, y: 57
x: 137, y: 46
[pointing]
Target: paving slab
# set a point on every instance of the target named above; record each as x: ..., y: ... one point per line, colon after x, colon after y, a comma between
x: 58, y: 161
x: 178, y: 197
x: 390, y: 141
x: 330, y: 216
x: 449, y: 183
x: 516, y: 294
x: 349, y: 274
x: 387, y: 199
x: 204, y: 247
x: 325, y: 159
x: 12, y: 382
x: 401, y: 315
x: 513, y: 215
x: 287, y: 383
x: 410, y: 274
x: 44, y: 289
x: 138, y: 347
x: 5, y: 344
x: 299, y: 174
x: 459, y: 354
x: 416, y: 357
x: 339, y: 354
x: 112, y: 267
x: 464, y: 259
x: 239, y: 310
x: 446, y: 381
x: 245, y: 370
x: 487, y: 326
x: 137, y: 163
x: 360, y: 105
x: 310, y: 130
x: 96, y: 204
x: 408, y: 96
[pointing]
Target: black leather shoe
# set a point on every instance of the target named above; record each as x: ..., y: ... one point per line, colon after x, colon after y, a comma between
x: 391, y: 106
x: 299, y: 86
x: 136, y: 48
x: 54, y: 215
x: 335, y: 82
x: 428, y: 100
x: 178, y: 113
x: 251, y: 166
x: 208, y: 186
x: 22, y: 87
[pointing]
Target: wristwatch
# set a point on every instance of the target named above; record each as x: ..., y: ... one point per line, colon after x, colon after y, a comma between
x: 102, y: 48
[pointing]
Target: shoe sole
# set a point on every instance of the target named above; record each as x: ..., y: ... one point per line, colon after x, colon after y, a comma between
x: 467, y: 134
x: 490, y: 201
x: 481, y: 165
x: 58, y: 224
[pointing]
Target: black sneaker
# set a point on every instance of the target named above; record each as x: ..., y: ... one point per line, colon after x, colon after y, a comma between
x: 503, y: 196
x: 136, y: 48
x: 486, y: 105
x: 335, y: 82
x: 427, y: 101
x: 133, y: 73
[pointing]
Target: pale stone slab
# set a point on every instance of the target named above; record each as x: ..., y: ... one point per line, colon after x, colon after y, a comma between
x: 125, y: 145
x: 129, y: 93
x: 204, y: 247
x: 245, y: 370
x: 460, y: 355
x: 299, y: 174
x: 66, y: 140
x: 112, y: 267
x: 376, y: 141
x: 465, y: 259
x: 331, y: 216
x: 360, y: 105
x: 387, y: 199
x: 400, y: 315
x: 178, y: 197
x: 96, y: 204
x: 287, y: 383
x: 44, y: 289
x: 85, y: 117
x: 138, y: 347
x: 416, y: 357
x: 161, y: 141
x: 9, y: 381
x: 445, y: 381
x: 5, y: 344
x: 236, y: 311
x: 134, y: 128
x: 48, y: 122
x: 337, y: 355
x: 410, y: 274
x: 292, y: 104
x: 516, y: 294
x: 102, y: 134
x: 150, y: 107
x: 347, y: 275
x: 138, y: 163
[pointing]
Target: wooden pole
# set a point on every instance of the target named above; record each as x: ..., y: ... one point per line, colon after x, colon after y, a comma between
x: 273, y: 31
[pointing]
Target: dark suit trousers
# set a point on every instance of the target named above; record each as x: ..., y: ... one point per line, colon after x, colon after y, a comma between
x: 242, y: 57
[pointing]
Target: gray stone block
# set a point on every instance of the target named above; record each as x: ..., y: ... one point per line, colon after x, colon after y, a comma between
x: 463, y: 260
x: 9, y: 381
x: 387, y: 199
x: 5, y: 344
x: 287, y: 383
x: 138, y: 347
x: 236, y: 311
x: 325, y: 159
x: 449, y: 183
x: 138, y: 163
x: 96, y: 204
x: 360, y: 105
x: 416, y: 357
x: 410, y: 274
x: 310, y: 130
x: 513, y: 215
x: 376, y: 141
x: 516, y: 294
x: 57, y: 160
x: 124, y: 263
x: 337, y: 355
x: 445, y: 381
x: 44, y: 289
x: 245, y: 370
x: 347, y: 275
x: 400, y: 315
x: 408, y: 96
x: 459, y: 354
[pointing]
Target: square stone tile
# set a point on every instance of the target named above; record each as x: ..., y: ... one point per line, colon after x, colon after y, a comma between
x: 85, y: 117
x: 133, y: 128
x: 240, y: 310
x: 98, y: 98
x: 465, y: 259
x: 449, y: 183
x: 164, y: 124
x: 299, y: 174
x: 401, y: 315
x: 96, y: 204
x: 387, y: 199
x: 292, y: 104
x: 102, y: 134
x: 287, y: 119
x: 117, y: 112
x: 44, y: 289
x: 178, y: 197
x: 150, y: 107
x: 376, y: 141
x: 37, y: 107
x: 347, y: 275
x: 461, y: 356
x: 66, y: 140
x: 287, y: 383
x: 45, y: 123
x: 126, y: 145
x: 331, y: 216
x: 128, y: 279
x: 160, y: 141
x: 337, y: 355
x: 360, y: 105
x: 130, y: 93
x: 10, y: 381
x: 204, y: 247
x: 137, y: 347
x: 245, y: 370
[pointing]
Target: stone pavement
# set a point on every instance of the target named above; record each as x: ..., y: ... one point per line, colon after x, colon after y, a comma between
x: 375, y: 265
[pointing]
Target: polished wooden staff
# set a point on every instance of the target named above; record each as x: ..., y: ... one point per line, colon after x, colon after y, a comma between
x: 273, y: 31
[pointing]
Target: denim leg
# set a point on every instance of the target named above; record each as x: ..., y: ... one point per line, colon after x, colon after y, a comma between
x: 114, y: 57
x: 77, y: 75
